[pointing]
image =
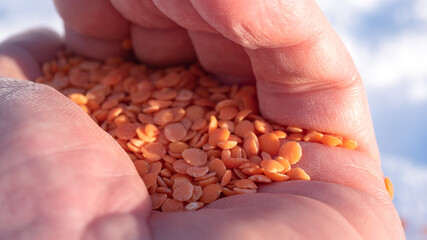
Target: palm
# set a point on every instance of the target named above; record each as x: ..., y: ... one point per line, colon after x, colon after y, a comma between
x: 62, y: 177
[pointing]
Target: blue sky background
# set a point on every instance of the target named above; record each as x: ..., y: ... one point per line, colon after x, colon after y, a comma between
x: 388, y: 42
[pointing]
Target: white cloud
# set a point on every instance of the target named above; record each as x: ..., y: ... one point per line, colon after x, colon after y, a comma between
x: 419, y: 9
x: 384, y: 63
x: 18, y: 15
x: 410, y: 184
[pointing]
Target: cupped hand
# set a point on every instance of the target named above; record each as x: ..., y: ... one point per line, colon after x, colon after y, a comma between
x: 62, y: 177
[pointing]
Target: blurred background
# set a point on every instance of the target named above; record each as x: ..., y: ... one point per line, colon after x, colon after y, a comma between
x: 388, y: 42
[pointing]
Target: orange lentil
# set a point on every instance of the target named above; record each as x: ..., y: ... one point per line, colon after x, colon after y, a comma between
x: 245, y: 184
x: 234, y: 162
x: 227, y: 144
x: 208, y: 181
x: 263, y: 126
x: 131, y: 147
x: 161, y: 182
x: 165, y: 94
x: 227, y: 192
x: 313, y: 136
x: 291, y: 151
x: 239, y: 173
x: 285, y: 163
x: 252, y: 170
x: 277, y: 177
x: 154, y: 151
x: 265, y: 156
x: 242, y: 115
x: 271, y: 165
x: 225, y: 180
x: 195, y: 157
x: 237, y: 151
x: 213, y: 124
x: 294, y: 129
x: 243, y: 190
x: 119, y: 120
x: 251, y: 145
x: 155, y: 167
x: 216, y: 165
x: 389, y: 187
x: 78, y: 98
x: 331, y: 140
x: 199, y: 124
x: 151, y: 130
x: 178, y: 147
x: 258, y: 178
x: 180, y: 166
x: 175, y: 132
x: 349, y: 144
x: 194, y: 206
x: 126, y: 131
x: 183, y: 192
x: 226, y: 103
x: 255, y: 159
x: 202, y: 141
x: 297, y: 174
x: 228, y: 113
x: 167, y: 122
x: 163, y: 117
x: 204, y: 177
x: 211, y: 193
x: 244, y: 127
x: 172, y: 205
x: 227, y: 124
x: 165, y: 172
x: 270, y: 143
x: 197, y: 171
x: 157, y: 199
x: 235, y: 138
x: 280, y: 134
x: 197, y: 193
x: 194, y: 112
x: 141, y: 167
x: 295, y: 136
x: 140, y: 131
x: 149, y: 179
x: 184, y: 95
x: 217, y: 135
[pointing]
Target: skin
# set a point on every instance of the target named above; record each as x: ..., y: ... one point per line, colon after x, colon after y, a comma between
x: 62, y: 177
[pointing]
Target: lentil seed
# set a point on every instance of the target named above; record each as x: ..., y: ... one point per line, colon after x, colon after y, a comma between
x: 167, y: 122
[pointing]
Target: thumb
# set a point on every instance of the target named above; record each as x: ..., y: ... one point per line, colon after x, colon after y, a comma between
x: 53, y: 156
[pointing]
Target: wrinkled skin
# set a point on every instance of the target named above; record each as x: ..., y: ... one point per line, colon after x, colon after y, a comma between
x: 62, y: 177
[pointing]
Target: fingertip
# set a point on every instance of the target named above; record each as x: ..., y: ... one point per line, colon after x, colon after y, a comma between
x: 143, y: 13
x: 162, y: 47
x: 184, y: 14
x: 21, y: 55
x: 256, y: 24
x: 95, y: 18
x: 92, y: 47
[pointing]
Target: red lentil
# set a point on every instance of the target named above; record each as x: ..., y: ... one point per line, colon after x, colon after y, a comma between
x: 191, y: 139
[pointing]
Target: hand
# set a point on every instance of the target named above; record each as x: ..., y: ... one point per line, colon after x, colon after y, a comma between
x: 62, y: 177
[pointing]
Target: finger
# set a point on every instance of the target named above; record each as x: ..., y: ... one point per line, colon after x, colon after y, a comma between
x: 218, y: 55
x: 93, y: 28
x: 304, y: 73
x: 156, y: 39
x: 22, y: 55
x: 301, y: 210
x: 162, y: 47
x: 92, y: 47
x: 56, y: 156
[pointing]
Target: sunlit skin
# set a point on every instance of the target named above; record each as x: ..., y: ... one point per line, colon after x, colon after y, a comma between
x: 62, y: 177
